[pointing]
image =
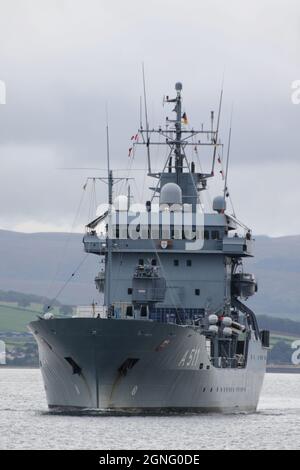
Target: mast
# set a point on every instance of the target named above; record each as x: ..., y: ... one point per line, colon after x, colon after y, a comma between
x: 177, y: 168
x: 178, y: 154
x: 108, y: 240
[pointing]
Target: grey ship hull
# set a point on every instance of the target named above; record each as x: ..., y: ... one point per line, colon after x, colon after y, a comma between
x: 140, y: 366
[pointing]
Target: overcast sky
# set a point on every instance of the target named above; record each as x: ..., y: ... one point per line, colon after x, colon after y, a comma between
x: 63, y: 60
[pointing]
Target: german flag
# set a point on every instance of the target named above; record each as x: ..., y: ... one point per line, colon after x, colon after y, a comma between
x: 185, y: 119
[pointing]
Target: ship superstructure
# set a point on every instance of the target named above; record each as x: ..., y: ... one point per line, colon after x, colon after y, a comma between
x: 175, y: 333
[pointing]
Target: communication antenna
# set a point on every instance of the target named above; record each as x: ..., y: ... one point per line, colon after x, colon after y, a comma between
x: 107, y: 141
x: 141, y: 113
x: 128, y: 198
x: 228, y: 157
x: 217, y: 131
x: 147, y: 122
x: 212, y: 117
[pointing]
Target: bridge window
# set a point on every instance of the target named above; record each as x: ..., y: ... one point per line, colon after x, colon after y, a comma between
x: 141, y: 262
x: 176, y: 262
x: 197, y: 292
x: 154, y: 262
x: 129, y: 291
x: 189, y: 262
x: 129, y: 311
x: 144, y: 311
x: 215, y: 235
x: 206, y: 235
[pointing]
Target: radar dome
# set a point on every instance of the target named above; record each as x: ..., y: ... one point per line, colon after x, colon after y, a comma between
x: 178, y: 86
x: 219, y: 204
x: 170, y: 194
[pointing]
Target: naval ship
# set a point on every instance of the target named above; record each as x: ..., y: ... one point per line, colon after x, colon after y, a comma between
x: 174, y: 333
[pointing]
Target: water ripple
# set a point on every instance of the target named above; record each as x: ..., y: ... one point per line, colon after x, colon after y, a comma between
x: 26, y: 423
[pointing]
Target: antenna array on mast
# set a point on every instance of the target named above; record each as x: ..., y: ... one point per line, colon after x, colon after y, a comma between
x: 177, y: 137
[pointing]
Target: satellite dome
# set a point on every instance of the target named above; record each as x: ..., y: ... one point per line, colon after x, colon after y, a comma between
x: 171, y: 194
x: 219, y: 204
x: 227, y: 322
x: 121, y: 203
x: 227, y: 331
x: 213, y: 329
x: 213, y: 319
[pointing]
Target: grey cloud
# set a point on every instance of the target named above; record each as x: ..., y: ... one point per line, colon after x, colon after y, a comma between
x: 62, y: 61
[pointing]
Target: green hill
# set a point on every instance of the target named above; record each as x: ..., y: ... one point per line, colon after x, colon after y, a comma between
x: 15, y: 318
